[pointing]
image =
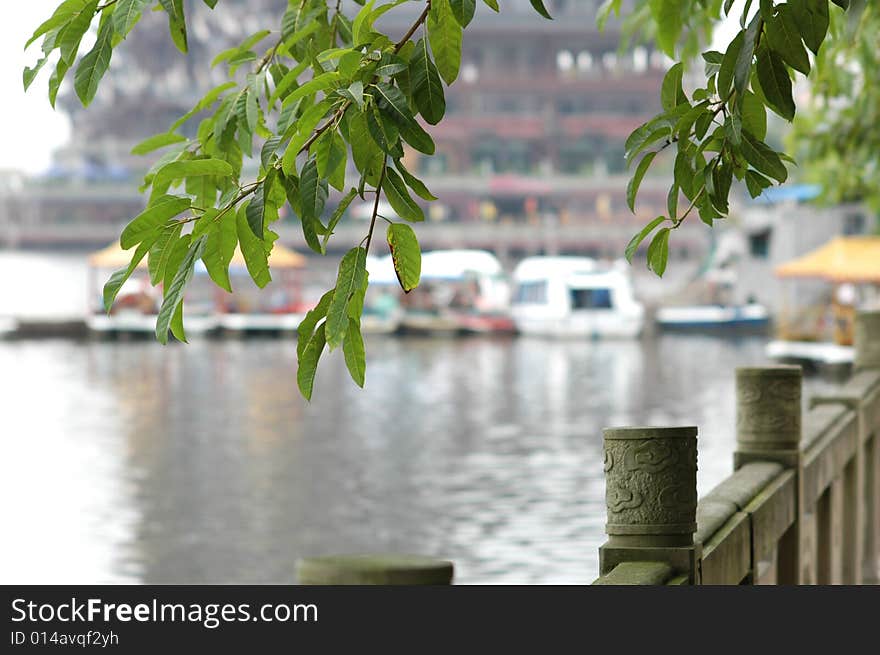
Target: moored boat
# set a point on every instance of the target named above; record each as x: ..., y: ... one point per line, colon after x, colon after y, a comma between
x: 575, y: 297
x: 704, y: 318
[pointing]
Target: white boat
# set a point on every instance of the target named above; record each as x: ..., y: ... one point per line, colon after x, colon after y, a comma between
x: 810, y: 352
x: 260, y: 322
x: 713, y: 317
x: 135, y: 322
x: 460, y: 291
x: 575, y: 297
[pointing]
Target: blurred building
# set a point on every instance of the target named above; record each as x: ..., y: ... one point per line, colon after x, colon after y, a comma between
x: 532, y: 141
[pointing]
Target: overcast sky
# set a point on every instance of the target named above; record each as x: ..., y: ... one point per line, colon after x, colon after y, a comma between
x: 30, y: 128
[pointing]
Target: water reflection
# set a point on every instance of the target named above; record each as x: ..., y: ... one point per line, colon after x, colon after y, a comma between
x: 201, y: 464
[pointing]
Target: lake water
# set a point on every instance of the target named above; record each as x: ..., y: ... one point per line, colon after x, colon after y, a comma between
x: 200, y: 463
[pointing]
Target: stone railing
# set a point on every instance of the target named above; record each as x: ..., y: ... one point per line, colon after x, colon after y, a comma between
x: 801, y: 507
x: 803, y: 503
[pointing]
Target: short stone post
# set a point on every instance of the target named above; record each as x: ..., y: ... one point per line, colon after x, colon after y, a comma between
x: 651, y: 498
x: 768, y: 415
x: 867, y: 340
x: 373, y: 569
x: 768, y: 428
x: 867, y: 356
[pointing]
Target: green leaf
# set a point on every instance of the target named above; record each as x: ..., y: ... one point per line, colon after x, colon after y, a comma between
x: 177, y: 324
x: 65, y: 12
x: 393, y: 104
x: 812, y: 19
x: 112, y: 286
x: 645, y: 135
x: 161, y: 250
x: 94, y: 64
x: 843, y: 4
x: 127, y: 14
x: 492, y: 4
x: 253, y: 250
x: 415, y: 136
x: 190, y: 168
x: 156, y: 214
x: 157, y: 141
x: 754, y: 116
x: 632, y: 188
x: 668, y: 19
x: 353, y: 350
x: 176, y: 22
x: 671, y: 94
x: 29, y: 74
x: 463, y: 10
x: 219, y: 250
x: 756, y: 183
x: 413, y: 182
x: 312, y: 190
x: 338, y: 214
x: 634, y: 243
x: 444, y: 33
x: 672, y: 201
x: 331, y: 155
x: 384, y: 132
x: 406, y: 255
x: 207, y: 100
x: 729, y: 65
x: 288, y: 81
x: 784, y: 38
x: 684, y: 172
x: 305, y: 128
x: 399, y: 198
x: 318, y: 83
x: 308, y: 362
x: 174, y: 293
x: 541, y: 9
x: 775, y: 83
x: 658, y: 252
x: 367, y: 155
x: 351, y: 276
x: 255, y: 212
x: 70, y: 37
x: 427, y: 88
x: 764, y: 159
x: 743, y: 66
x: 306, y: 327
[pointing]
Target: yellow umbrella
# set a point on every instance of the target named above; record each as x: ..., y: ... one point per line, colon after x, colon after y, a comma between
x: 843, y: 259
x: 113, y: 256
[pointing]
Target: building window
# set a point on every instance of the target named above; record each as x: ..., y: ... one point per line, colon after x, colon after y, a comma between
x: 565, y: 61
x: 759, y: 244
x: 584, y: 62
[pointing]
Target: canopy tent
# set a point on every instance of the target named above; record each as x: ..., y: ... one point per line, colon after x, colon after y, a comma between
x: 843, y: 259
x: 113, y: 256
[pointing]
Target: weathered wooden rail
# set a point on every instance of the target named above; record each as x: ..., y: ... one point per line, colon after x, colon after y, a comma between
x: 801, y: 507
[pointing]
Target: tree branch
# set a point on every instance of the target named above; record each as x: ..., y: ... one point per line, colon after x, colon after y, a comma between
x: 376, y: 205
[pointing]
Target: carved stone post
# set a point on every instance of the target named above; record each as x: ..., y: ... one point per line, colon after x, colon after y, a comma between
x: 867, y: 340
x: 768, y: 415
x: 373, y: 570
x: 651, y: 498
x: 768, y: 428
